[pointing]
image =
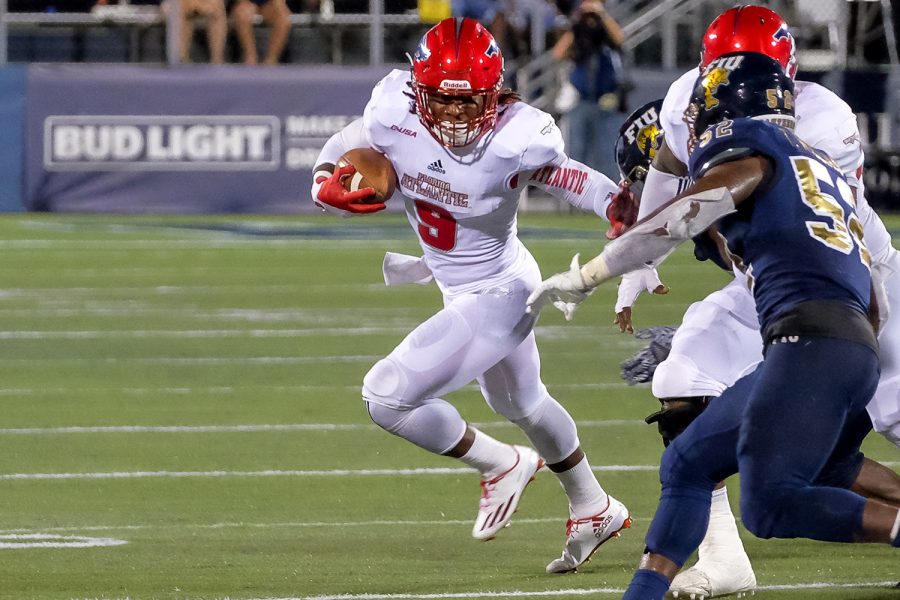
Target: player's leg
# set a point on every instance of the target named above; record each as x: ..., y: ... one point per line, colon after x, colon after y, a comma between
x: 691, y: 466
x: 716, y: 343
x: 513, y: 388
x: 884, y: 407
x: 791, y: 427
x: 403, y: 393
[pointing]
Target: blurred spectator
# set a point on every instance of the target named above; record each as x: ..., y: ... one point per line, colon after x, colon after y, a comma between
x: 274, y: 13
x: 213, y: 12
x: 593, y: 119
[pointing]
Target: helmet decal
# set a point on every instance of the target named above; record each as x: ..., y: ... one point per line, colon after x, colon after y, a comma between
x: 422, y: 51
x: 648, y: 140
x: 711, y: 83
x: 492, y: 50
x: 640, y: 138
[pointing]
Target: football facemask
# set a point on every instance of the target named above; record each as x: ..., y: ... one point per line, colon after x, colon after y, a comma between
x: 457, y: 58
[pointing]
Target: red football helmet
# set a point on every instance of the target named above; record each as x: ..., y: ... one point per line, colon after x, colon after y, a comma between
x: 750, y: 28
x: 457, y: 57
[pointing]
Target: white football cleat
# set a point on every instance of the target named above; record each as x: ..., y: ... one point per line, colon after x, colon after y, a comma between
x: 724, y: 576
x: 500, y: 495
x: 584, y: 536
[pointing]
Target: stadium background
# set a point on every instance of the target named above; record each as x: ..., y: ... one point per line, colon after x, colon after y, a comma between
x: 84, y: 91
x: 179, y: 401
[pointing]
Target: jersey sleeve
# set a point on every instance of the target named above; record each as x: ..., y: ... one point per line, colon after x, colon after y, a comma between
x: 545, y: 165
x: 827, y: 123
x: 576, y: 183
x: 351, y: 136
x: 671, y: 115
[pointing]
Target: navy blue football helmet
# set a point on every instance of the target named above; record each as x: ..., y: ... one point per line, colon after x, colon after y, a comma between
x: 639, y: 139
x: 739, y: 85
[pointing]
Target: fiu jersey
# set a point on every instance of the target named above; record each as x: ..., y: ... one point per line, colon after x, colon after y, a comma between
x: 824, y: 121
x: 462, y: 203
x: 798, y: 237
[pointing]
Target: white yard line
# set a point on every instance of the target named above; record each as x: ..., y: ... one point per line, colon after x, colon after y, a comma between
x: 261, y: 427
x: 276, y: 473
x: 566, y: 592
x: 229, y: 389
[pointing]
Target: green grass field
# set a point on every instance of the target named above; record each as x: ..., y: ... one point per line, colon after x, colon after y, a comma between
x: 181, y: 396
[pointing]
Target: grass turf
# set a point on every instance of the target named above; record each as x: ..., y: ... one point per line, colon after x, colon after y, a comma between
x: 191, y: 386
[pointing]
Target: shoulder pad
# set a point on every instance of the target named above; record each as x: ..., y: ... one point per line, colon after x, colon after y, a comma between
x: 827, y: 123
x: 531, y: 134
x: 389, y: 104
x: 749, y: 137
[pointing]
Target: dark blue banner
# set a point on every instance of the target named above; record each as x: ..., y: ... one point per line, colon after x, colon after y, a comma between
x: 198, y: 139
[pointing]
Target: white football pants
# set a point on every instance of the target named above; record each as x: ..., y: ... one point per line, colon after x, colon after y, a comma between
x: 718, y: 342
x: 485, y: 336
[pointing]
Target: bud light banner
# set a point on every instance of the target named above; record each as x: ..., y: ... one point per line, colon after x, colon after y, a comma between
x: 195, y: 139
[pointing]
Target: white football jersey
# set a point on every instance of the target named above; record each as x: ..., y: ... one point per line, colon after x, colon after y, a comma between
x: 462, y: 203
x: 824, y: 121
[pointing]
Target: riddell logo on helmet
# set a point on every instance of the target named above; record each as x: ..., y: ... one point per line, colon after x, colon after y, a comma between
x: 456, y: 84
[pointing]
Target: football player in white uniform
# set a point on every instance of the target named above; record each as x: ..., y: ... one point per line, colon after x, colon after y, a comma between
x: 463, y: 149
x: 719, y: 340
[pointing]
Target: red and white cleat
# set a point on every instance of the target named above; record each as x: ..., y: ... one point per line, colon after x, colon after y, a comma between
x: 584, y: 536
x: 500, y: 495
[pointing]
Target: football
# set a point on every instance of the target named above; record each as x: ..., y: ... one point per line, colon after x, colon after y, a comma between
x: 373, y: 170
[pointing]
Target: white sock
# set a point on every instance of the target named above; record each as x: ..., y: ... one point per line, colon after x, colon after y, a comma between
x: 895, y: 530
x: 489, y: 456
x: 722, y: 534
x: 586, y: 497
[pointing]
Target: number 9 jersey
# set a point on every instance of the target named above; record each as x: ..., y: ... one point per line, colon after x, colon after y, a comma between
x: 462, y: 202
x: 800, y: 238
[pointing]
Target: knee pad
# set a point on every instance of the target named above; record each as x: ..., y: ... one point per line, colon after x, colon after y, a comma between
x: 385, y: 384
x: 676, y: 415
x: 760, y: 510
x: 676, y: 470
x: 516, y: 405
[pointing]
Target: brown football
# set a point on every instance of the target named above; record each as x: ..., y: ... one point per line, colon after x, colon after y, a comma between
x: 373, y: 170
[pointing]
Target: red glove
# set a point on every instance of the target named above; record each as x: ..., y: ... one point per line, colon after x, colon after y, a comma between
x: 622, y: 211
x: 333, y: 195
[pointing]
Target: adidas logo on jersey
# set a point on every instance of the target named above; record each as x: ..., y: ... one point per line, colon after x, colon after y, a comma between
x: 437, y: 167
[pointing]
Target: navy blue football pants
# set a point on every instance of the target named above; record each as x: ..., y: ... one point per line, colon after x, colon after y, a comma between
x: 792, y: 428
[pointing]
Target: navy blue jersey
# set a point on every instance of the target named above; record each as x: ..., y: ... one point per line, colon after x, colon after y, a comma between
x: 797, y: 237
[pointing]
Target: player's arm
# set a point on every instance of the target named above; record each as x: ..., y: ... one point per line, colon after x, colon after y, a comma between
x: 544, y: 164
x: 576, y: 183
x: 666, y: 177
x: 717, y: 193
x: 327, y: 191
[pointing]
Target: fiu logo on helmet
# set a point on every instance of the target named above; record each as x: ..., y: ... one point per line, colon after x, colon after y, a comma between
x: 648, y: 140
x: 640, y: 125
x: 716, y: 74
x: 711, y: 82
x: 492, y: 50
x: 422, y: 51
